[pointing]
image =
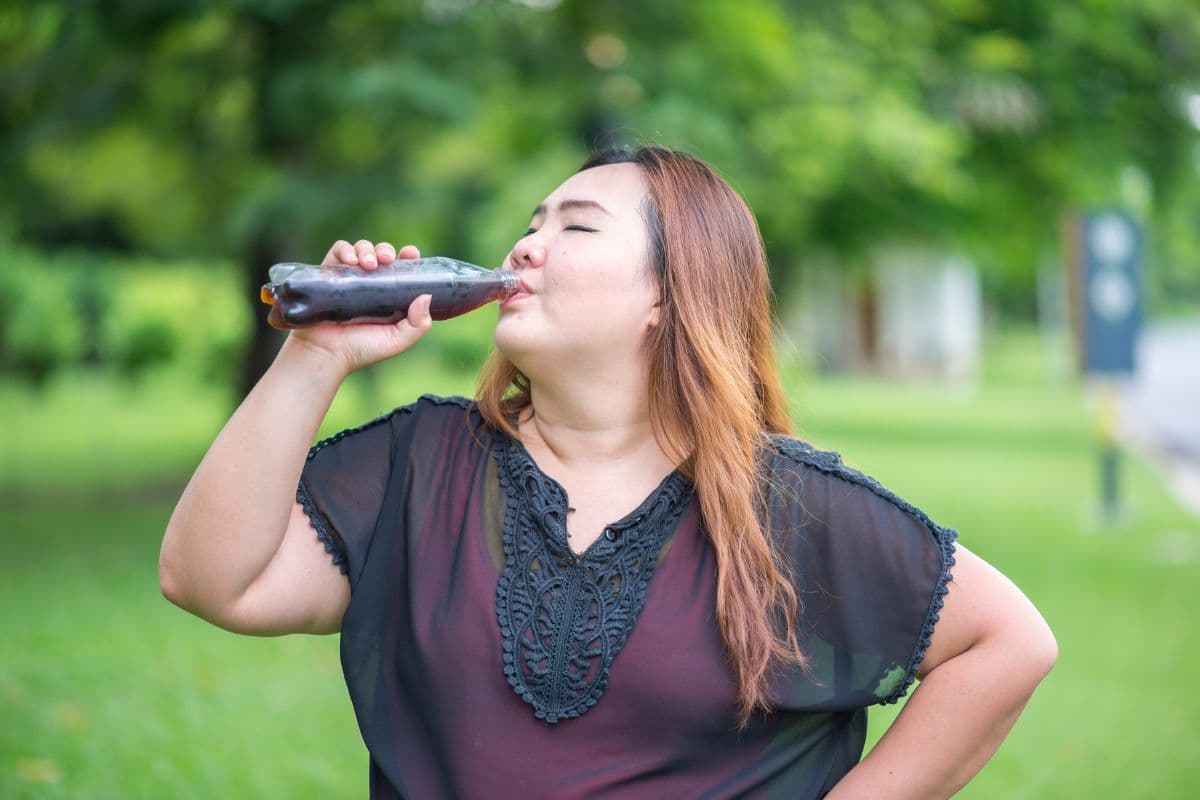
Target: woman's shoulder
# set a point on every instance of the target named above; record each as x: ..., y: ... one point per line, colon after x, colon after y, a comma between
x: 433, y: 417
x: 428, y: 409
x: 437, y: 404
x: 426, y: 406
x: 787, y: 455
x: 788, y: 451
x: 813, y: 472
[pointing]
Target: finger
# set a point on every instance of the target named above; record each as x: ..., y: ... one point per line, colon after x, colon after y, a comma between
x: 366, y: 254
x: 337, y: 253
x: 416, y: 323
x: 409, y: 251
x: 418, y: 315
x: 385, y: 253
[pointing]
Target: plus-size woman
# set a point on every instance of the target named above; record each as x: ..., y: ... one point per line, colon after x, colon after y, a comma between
x: 614, y: 572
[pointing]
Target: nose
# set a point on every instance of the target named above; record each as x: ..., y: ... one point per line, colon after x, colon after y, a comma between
x: 529, y: 251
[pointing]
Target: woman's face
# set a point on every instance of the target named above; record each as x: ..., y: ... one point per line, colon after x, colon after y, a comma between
x: 590, y: 295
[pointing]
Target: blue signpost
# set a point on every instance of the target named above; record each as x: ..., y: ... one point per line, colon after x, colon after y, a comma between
x: 1111, y: 284
x: 1109, y: 297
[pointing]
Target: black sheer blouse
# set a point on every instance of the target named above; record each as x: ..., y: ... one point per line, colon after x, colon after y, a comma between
x: 484, y: 658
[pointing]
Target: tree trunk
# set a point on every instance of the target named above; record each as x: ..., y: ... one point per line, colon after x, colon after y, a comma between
x: 264, y: 340
x: 272, y: 143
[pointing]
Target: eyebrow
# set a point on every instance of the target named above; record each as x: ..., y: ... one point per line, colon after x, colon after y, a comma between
x: 567, y: 205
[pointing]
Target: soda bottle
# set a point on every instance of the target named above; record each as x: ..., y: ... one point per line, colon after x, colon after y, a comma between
x: 303, y: 295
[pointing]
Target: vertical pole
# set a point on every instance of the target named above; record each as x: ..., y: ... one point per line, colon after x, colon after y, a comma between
x: 1110, y: 498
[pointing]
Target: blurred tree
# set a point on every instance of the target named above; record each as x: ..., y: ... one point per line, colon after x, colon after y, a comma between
x: 264, y: 131
x: 248, y: 130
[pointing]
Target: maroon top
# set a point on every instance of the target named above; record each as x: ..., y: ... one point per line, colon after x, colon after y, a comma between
x: 485, y: 659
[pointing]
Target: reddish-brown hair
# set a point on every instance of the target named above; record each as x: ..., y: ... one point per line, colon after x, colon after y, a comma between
x: 714, y: 394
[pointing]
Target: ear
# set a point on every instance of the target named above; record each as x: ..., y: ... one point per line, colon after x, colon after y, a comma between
x: 655, y: 315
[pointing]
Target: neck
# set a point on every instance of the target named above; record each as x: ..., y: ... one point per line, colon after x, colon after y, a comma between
x: 593, y: 423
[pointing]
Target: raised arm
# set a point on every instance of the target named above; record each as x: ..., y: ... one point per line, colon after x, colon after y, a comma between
x: 239, y: 550
x: 989, y: 651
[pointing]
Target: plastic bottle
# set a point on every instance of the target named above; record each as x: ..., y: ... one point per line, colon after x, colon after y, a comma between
x: 303, y: 295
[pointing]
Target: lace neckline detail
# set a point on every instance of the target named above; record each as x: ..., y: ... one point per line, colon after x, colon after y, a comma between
x: 564, y: 616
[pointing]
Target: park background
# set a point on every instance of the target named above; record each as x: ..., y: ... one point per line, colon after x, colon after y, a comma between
x: 156, y: 157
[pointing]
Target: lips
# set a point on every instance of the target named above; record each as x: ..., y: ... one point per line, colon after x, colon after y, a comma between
x: 523, y: 291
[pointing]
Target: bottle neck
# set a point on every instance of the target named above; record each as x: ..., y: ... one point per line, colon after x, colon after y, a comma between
x: 510, y: 281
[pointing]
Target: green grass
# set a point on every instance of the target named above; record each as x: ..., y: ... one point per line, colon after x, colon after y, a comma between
x: 107, y: 690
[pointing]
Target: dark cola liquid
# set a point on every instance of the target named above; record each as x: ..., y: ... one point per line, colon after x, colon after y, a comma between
x: 302, y: 295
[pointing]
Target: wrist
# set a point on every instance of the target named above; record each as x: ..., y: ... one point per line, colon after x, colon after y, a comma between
x: 300, y: 356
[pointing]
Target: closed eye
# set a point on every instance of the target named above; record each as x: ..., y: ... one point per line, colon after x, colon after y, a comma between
x: 583, y: 228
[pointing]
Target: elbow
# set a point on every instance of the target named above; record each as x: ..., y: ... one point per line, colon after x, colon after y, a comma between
x: 175, y: 587
x: 177, y: 575
x: 168, y: 578
x: 1044, y: 651
x: 169, y: 582
x: 1032, y: 642
x: 186, y: 587
x: 1026, y: 651
x: 171, y: 578
x: 1038, y: 651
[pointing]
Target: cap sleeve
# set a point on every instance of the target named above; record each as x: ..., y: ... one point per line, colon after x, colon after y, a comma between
x: 349, y: 477
x: 870, y: 572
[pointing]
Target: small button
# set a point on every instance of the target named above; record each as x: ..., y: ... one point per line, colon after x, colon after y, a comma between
x: 610, y: 534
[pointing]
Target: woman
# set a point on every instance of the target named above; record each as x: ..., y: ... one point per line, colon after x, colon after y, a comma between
x: 614, y: 573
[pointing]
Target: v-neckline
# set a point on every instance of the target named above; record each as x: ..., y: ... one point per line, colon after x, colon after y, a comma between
x: 626, y: 522
x: 564, y: 616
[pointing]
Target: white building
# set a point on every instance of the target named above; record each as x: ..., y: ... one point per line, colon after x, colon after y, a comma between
x: 910, y: 314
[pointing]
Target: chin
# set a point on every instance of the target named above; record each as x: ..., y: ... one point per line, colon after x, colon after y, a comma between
x: 528, y: 351
x: 513, y: 343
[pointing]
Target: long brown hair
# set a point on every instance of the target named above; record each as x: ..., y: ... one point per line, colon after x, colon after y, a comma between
x: 714, y: 394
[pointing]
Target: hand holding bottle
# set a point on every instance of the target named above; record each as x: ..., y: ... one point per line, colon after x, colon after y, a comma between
x: 350, y: 347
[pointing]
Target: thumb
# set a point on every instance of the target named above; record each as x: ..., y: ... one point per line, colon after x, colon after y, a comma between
x: 416, y: 322
x: 419, y: 315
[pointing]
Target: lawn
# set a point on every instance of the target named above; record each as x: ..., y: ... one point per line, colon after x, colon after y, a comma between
x: 108, y: 691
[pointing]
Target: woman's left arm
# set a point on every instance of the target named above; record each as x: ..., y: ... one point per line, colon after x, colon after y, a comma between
x: 989, y: 651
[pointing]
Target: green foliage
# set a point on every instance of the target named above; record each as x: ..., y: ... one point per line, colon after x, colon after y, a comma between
x: 40, y: 332
x: 189, y: 312
x: 258, y: 132
x: 78, y: 308
x: 141, y: 334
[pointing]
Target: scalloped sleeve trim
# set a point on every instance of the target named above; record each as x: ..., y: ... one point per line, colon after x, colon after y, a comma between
x: 831, y: 463
x: 317, y: 520
x: 945, y: 539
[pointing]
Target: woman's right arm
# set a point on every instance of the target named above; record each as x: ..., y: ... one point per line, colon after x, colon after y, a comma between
x: 239, y: 550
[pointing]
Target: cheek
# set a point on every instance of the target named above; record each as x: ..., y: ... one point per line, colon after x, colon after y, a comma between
x: 581, y: 296
x: 604, y: 312
x: 602, y: 272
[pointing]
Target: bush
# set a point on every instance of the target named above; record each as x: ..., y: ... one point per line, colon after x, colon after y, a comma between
x: 184, y: 313
x: 130, y: 316
x: 40, y: 331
